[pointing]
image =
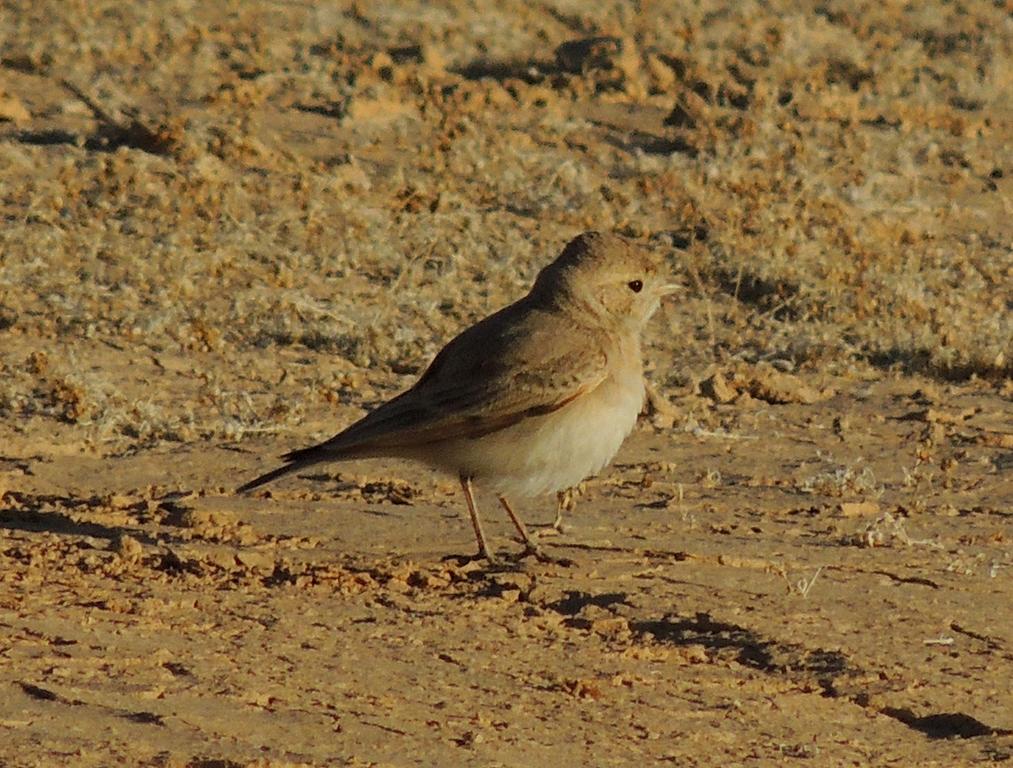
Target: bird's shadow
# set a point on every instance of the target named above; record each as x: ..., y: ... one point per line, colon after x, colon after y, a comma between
x: 57, y: 514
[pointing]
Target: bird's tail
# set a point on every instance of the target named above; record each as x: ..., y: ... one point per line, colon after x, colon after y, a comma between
x: 295, y: 460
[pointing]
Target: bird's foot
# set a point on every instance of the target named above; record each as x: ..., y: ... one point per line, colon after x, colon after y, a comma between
x: 533, y: 550
x: 480, y: 558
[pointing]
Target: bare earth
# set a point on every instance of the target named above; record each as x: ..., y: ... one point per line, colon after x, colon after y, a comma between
x: 230, y: 229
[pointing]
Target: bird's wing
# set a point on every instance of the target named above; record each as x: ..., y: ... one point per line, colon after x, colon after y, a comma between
x: 488, y: 378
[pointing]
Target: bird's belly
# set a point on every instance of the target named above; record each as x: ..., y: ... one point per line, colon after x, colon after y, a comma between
x: 555, y: 451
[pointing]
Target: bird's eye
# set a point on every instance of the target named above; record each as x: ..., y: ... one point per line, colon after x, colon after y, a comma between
x: 636, y: 285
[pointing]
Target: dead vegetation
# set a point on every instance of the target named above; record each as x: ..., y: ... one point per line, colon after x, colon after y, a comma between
x: 227, y: 231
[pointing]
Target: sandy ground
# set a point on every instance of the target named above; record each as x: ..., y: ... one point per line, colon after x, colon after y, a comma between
x: 230, y: 229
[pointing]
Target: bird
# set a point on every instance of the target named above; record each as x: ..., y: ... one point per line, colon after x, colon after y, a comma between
x: 532, y: 399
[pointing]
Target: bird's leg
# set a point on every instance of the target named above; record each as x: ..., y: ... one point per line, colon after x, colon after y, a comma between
x: 483, y: 548
x: 530, y: 547
x: 529, y: 544
x: 564, y: 503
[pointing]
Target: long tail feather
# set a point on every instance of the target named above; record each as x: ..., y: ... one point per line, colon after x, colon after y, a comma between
x: 274, y: 474
x: 296, y: 460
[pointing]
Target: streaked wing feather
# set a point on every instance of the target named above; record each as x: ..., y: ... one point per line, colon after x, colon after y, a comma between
x: 468, y: 395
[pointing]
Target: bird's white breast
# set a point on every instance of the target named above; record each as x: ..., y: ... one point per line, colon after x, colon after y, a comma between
x: 557, y: 450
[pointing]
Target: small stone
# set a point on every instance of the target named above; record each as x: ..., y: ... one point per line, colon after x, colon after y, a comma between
x: 858, y: 508
x: 13, y: 110
x: 256, y: 560
x: 128, y: 548
x: 717, y: 389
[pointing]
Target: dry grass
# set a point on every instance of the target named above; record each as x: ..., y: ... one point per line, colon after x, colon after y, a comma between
x: 361, y: 187
x: 230, y: 227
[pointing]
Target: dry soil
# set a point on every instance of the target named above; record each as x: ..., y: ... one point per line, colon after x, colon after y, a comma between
x: 231, y: 228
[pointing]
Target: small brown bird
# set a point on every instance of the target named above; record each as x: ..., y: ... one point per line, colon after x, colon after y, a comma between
x: 533, y: 398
